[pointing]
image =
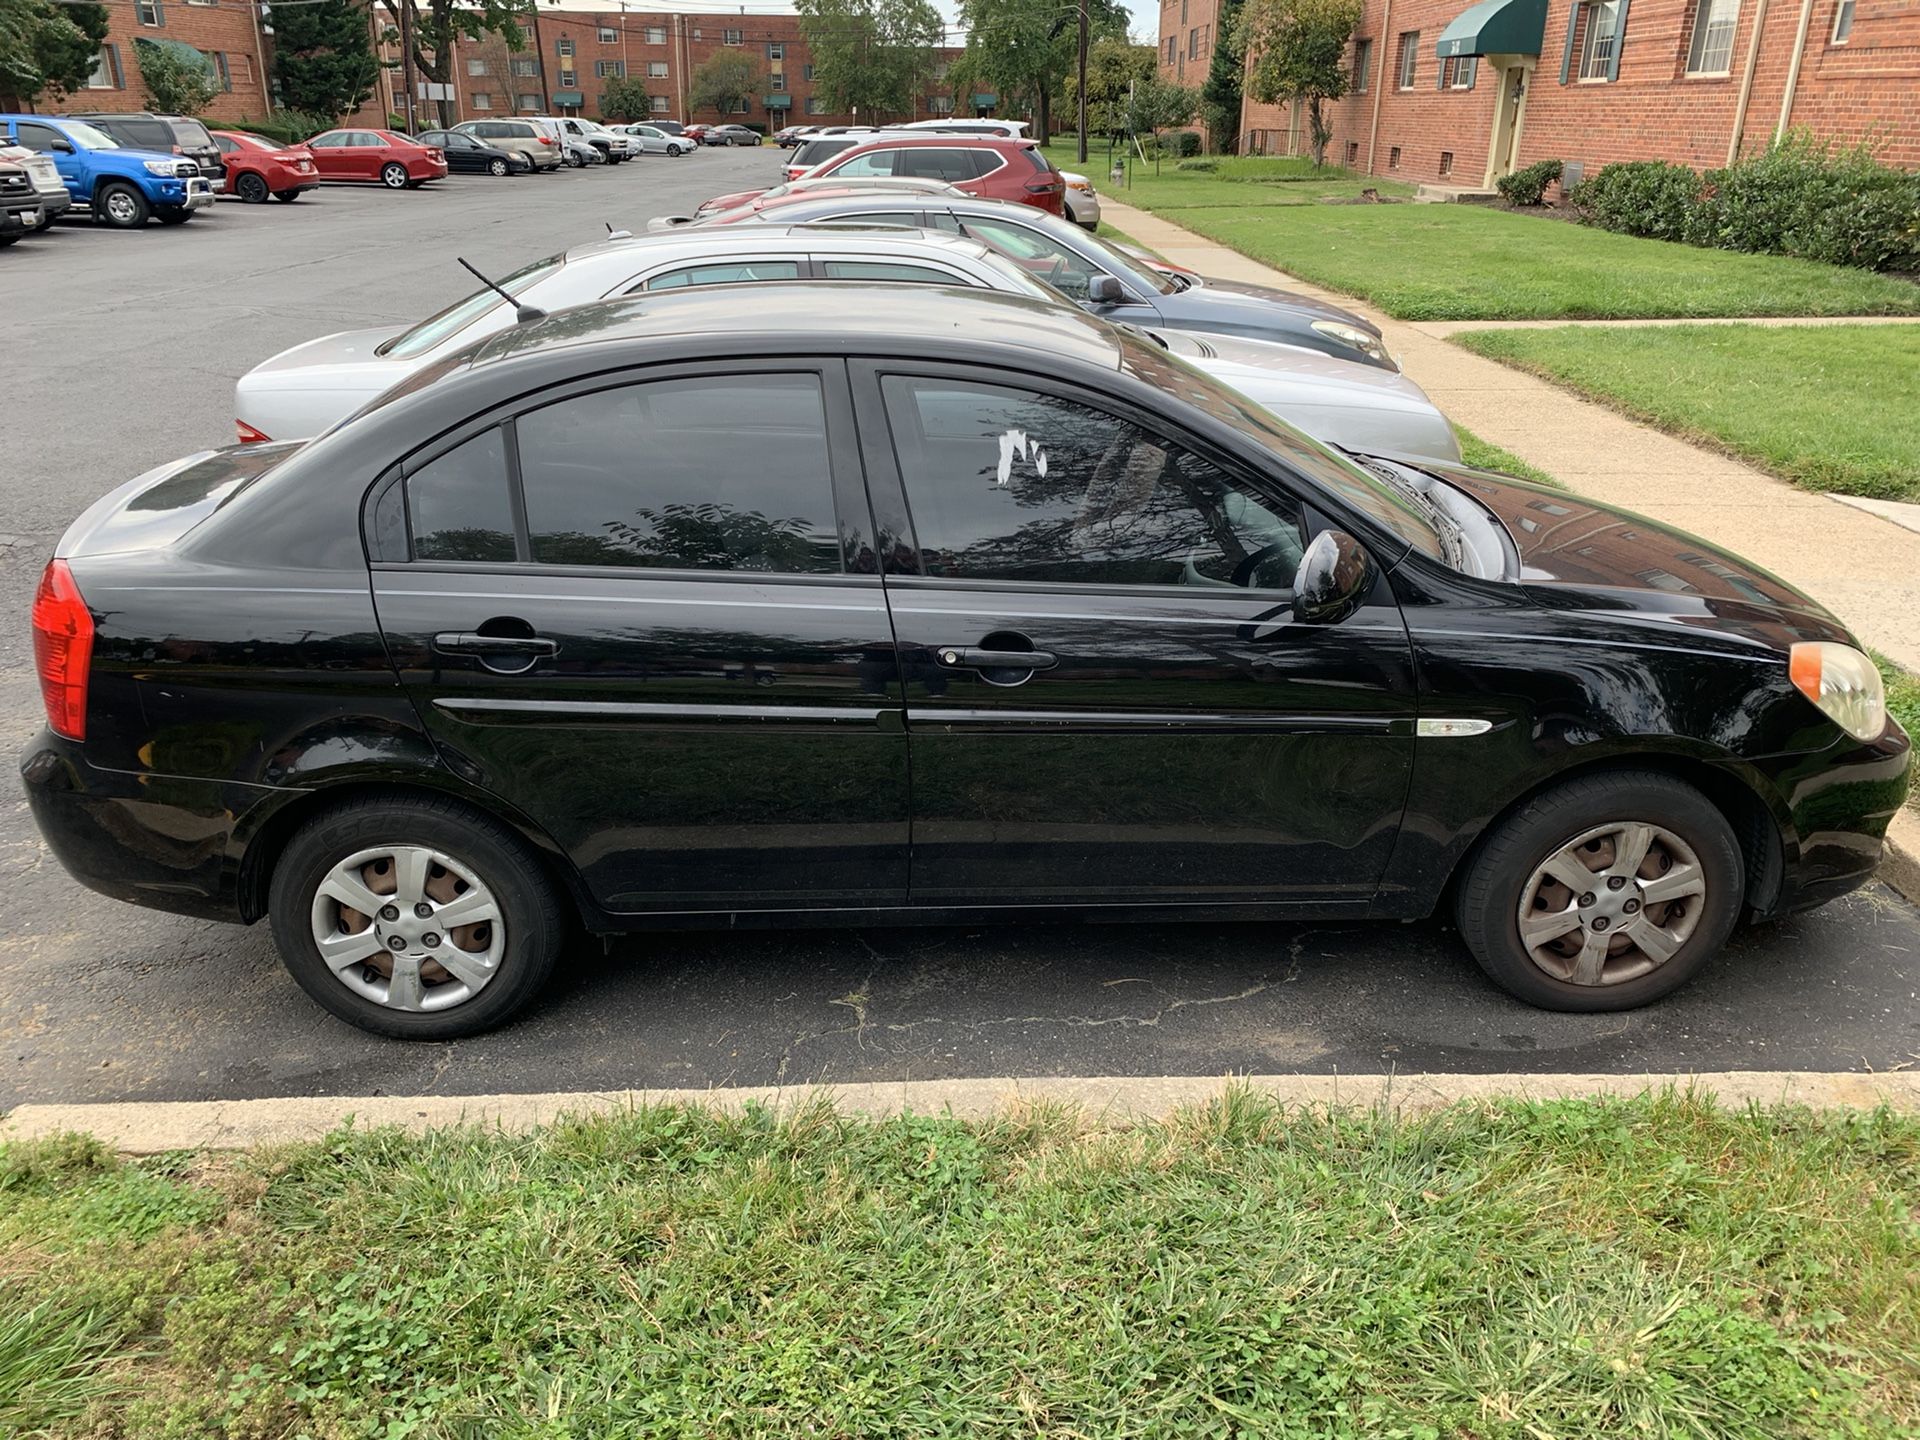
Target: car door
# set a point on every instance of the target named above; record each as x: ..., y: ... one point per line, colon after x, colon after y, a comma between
x: 332, y: 154
x: 57, y: 148
x: 643, y: 610
x: 1175, y: 736
x: 368, y: 153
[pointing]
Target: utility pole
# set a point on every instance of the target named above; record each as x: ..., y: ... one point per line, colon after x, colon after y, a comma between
x: 1083, y: 82
x: 406, y: 64
x: 540, y: 53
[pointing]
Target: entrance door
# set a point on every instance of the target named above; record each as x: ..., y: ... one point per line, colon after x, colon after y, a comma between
x: 1108, y: 701
x: 1507, y: 121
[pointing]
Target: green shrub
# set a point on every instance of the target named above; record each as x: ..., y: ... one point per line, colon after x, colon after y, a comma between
x: 1640, y: 197
x: 1175, y: 144
x: 1528, y: 186
x: 1802, y: 198
x: 288, y: 127
x: 1205, y: 166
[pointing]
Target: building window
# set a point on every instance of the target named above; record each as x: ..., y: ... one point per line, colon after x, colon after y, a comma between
x: 605, y: 69
x: 1409, y: 57
x: 569, y: 79
x: 482, y: 100
x: 105, y: 74
x: 656, y: 34
x: 526, y: 67
x: 478, y: 67
x: 221, y: 74
x: 776, y: 51
x: 806, y: 72
x: 1183, y: 12
x: 741, y: 107
x: 1843, y: 22
x: 816, y: 106
x: 1601, y: 41
x: 656, y: 69
x: 939, y: 104
x: 525, y: 101
x: 607, y: 36
x: 1362, y: 65
x: 563, y: 46
x: 1712, y: 47
x: 1353, y: 153
x: 732, y: 37
x: 1459, y: 72
x: 1446, y: 162
x: 1393, y: 158
x: 777, y: 82
x: 1170, y: 44
x: 150, y: 13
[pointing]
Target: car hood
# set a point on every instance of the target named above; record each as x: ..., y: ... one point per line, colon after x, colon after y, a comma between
x: 1581, y: 553
x: 1226, y: 299
x: 348, y: 354
x: 1273, y: 367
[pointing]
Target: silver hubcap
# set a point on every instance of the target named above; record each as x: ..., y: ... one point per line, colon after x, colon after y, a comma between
x: 1613, y: 904
x: 408, y: 927
x: 396, y: 177
x: 120, y: 205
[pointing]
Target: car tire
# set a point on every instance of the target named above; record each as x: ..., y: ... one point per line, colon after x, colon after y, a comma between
x: 394, y: 175
x: 497, y: 167
x: 510, y: 957
x: 286, y: 197
x: 13, y: 239
x: 251, y: 188
x: 575, y: 162
x: 121, y: 205
x: 1587, y: 822
x: 172, y: 215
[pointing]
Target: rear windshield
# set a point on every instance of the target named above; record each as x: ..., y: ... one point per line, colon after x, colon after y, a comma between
x: 145, y: 134
x: 191, y: 132
x: 1039, y: 159
x: 455, y: 318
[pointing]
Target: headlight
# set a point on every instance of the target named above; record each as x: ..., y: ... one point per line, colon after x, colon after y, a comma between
x: 1845, y: 685
x: 168, y: 168
x: 1353, y: 336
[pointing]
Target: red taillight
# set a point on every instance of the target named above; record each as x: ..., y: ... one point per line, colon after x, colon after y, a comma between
x: 1045, y: 187
x: 546, y: 139
x: 248, y: 435
x: 62, y: 649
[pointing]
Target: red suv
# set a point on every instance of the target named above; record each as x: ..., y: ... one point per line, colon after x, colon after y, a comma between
x: 990, y: 166
x: 257, y: 167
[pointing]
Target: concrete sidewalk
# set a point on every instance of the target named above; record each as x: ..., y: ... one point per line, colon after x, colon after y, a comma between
x: 1864, y: 568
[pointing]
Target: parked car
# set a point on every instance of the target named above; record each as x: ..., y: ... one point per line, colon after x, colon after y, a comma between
x: 611, y: 148
x: 762, y: 199
x: 43, y: 177
x: 21, y: 208
x: 581, y: 154
x: 469, y: 156
x: 984, y: 165
x: 1107, y: 281
x: 301, y: 391
x: 393, y: 160
x: 539, y: 145
x: 1081, y: 199
x: 984, y: 125
x: 731, y: 135
x: 668, y: 127
x: 791, y: 135
x: 164, y: 135
x: 258, y: 167
x: 115, y: 185
x: 694, y: 132
x: 652, y: 140
x: 822, y: 146
x: 525, y: 683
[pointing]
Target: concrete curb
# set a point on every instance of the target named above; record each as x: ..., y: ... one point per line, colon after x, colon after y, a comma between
x: 145, y: 1128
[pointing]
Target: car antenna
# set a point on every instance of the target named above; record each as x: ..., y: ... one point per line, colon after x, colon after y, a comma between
x: 522, y: 313
x: 613, y: 234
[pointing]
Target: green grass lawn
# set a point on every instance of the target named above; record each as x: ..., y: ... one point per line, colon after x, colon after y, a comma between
x: 1576, y: 1270
x: 1482, y: 456
x: 1828, y: 407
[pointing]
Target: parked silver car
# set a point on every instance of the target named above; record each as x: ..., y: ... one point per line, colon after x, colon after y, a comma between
x: 649, y: 140
x: 303, y: 391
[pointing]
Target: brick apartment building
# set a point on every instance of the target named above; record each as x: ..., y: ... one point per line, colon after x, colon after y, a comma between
x: 566, y: 59
x: 1446, y: 91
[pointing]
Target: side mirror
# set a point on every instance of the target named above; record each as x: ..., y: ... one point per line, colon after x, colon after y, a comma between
x: 1106, y: 290
x: 61, y: 147
x: 1334, y: 579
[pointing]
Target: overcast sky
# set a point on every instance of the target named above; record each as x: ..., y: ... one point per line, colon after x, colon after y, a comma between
x: 1145, y: 27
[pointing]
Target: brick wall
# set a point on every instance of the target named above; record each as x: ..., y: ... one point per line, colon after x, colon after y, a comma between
x: 223, y: 30
x: 1188, y: 34
x: 1864, y: 87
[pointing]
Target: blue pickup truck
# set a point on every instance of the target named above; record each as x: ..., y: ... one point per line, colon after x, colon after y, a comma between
x: 115, y: 185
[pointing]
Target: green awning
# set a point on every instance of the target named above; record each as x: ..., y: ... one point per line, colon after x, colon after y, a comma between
x: 568, y: 97
x: 779, y: 102
x: 1495, y: 27
x: 180, y: 50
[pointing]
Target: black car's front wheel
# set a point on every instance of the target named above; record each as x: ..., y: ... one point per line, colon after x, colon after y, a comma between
x: 415, y: 918
x: 497, y: 167
x: 1604, y: 893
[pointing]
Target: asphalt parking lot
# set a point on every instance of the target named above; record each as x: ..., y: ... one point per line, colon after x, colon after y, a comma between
x: 123, y: 349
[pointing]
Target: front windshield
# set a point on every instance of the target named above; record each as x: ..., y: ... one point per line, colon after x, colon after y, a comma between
x: 1133, y: 269
x: 455, y: 318
x: 88, y: 138
x: 1386, y: 505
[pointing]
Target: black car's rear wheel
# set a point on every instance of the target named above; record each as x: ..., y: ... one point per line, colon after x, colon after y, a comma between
x: 414, y: 917
x: 1603, y: 893
x: 251, y: 188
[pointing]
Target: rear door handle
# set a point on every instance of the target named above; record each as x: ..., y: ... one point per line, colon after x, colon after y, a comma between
x: 471, y: 642
x: 968, y: 657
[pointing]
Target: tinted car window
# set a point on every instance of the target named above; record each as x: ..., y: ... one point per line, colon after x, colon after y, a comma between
x: 720, y: 473
x: 458, y: 505
x: 1007, y: 484
x: 874, y: 162
x: 1035, y: 253
x: 735, y: 273
x: 815, y: 151
x: 886, y: 270
x: 327, y: 142
x: 931, y: 164
x: 40, y: 137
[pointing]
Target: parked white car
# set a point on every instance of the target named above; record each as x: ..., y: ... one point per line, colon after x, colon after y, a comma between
x: 646, y: 140
x: 1083, y: 201
x: 302, y: 391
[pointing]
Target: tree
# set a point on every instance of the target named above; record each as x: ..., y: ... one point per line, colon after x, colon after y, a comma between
x: 1114, y: 66
x: 1159, y: 105
x: 176, y: 84
x: 1023, y: 52
x: 1220, y: 92
x: 872, y: 57
x: 46, y: 45
x: 323, y: 57
x: 1299, y: 50
x: 724, y: 81
x: 625, y: 99
x: 442, y: 21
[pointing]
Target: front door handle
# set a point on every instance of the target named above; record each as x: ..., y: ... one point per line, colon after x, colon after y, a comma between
x: 472, y: 642
x: 972, y: 657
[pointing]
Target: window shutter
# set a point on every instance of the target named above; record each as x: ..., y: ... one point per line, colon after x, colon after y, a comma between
x: 1619, y: 42
x: 1440, y: 80
x: 1566, y: 56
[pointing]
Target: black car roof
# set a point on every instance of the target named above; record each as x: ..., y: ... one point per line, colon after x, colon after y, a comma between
x: 837, y: 315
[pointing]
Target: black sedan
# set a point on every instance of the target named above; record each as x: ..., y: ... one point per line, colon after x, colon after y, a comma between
x: 724, y: 608
x: 468, y: 156
x: 1106, y: 280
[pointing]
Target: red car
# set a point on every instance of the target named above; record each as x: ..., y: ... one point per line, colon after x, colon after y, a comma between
x: 696, y: 133
x: 990, y: 166
x: 394, y: 160
x: 257, y: 167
